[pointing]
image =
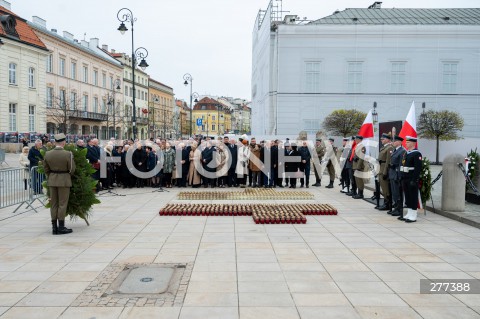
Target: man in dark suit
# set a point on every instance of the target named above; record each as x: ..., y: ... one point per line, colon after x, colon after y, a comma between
x: 395, y: 176
x: 93, y: 156
x: 292, y: 166
x: 232, y: 176
x: 207, y: 157
x: 59, y: 167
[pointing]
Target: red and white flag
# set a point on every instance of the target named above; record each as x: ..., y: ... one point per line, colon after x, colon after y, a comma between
x: 366, y: 131
x: 409, y: 128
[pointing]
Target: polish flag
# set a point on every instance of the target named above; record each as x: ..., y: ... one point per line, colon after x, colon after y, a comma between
x: 409, y: 128
x: 366, y: 131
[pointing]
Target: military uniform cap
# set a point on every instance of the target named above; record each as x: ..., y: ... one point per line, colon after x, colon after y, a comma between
x: 398, y: 138
x: 385, y: 135
x: 319, y: 139
x: 359, y: 137
x: 411, y: 139
x: 331, y: 139
x: 346, y: 139
x: 60, y: 137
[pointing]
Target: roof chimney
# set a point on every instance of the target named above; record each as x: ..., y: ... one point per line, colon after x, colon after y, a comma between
x: 112, y: 51
x: 105, y: 47
x: 67, y: 35
x: 376, y: 5
x: 93, y: 43
x: 39, y: 21
x: 6, y: 5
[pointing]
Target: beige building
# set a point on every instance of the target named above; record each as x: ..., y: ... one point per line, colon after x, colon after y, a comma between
x: 22, y: 75
x: 81, y: 80
x: 161, y: 109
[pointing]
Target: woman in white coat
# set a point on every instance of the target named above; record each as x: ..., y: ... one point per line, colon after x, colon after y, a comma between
x: 24, y: 162
x: 241, y: 169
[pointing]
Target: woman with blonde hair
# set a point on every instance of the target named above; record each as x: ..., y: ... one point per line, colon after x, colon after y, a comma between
x: 24, y: 162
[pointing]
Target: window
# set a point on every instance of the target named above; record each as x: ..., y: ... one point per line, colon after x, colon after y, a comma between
x: 213, y: 127
x: 12, y: 118
x: 85, y: 74
x: 73, y: 101
x: 141, y: 94
x: 73, y: 71
x: 450, y: 77
x: 50, y: 63
x: 398, y: 77
x: 61, y: 66
x: 95, y: 77
x: 311, y: 126
x: 85, y: 103
x: 126, y: 74
x: 312, y: 77
x: 126, y: 90
x: 104, y: 80
x: 12, y: 73
x: 111, y: 83
x: 213, y: 117
x: 104, y: 106
x: 354, y: 77
x: 95, y: 104
x: 31, y: 118
x: 131, y: 92
x: 62, y: 99
x: 31, y: 78
x: 203, y: 127
x: 49, y: 97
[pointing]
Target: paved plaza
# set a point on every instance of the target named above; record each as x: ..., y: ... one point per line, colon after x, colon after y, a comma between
x: 361, y: 263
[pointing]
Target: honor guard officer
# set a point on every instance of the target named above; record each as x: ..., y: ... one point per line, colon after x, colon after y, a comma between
x: 359, y: 166
x: 332, y: 153
x: 411, y: 168
x: 395, y: 176
x: 344, y: 177
x: 59, y: 167
x: 384, y: 158
x: 320, y: 149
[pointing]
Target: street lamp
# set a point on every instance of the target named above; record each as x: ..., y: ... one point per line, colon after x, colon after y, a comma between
x: 111, y: 104
x: 126, y: 15
x: 374, y: 113
x: 189, y: 80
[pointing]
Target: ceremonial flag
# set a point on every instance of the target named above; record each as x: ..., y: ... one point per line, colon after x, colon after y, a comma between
x: 366, y: 131
x: 409, y: 128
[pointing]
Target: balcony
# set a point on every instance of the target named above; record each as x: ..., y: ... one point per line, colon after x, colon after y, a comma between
x: 142, y: 120
x: 92, y: 116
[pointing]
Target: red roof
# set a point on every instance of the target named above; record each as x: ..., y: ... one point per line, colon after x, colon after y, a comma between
x: 25, y: 33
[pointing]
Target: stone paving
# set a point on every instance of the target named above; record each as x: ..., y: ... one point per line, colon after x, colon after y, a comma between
x: 361, y: 263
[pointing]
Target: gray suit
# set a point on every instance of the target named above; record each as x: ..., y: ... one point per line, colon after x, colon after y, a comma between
x: 394, y: 174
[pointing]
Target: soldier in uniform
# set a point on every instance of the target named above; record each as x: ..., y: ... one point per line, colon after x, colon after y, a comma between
x: 330, y: 166
x: 59, y: 167
x: 394, y: 175
x: 384, y: 158
x: 349, y: 167
x: 344, y: 177
x: 359, y: 166
x: 320, y: 149
x: 411, y: 169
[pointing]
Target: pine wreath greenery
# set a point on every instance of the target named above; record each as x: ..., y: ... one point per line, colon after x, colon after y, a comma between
x: 82, y: 192
x: 473, y: 157
x: 425, y: 181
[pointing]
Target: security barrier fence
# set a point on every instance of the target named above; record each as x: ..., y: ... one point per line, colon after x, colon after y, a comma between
x: 20, y: 186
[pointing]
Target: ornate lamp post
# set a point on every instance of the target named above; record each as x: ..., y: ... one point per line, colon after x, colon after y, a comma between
x: 189, y: 80
x: 126, y: 15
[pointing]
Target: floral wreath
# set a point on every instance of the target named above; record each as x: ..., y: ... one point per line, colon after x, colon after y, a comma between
x: 425, y: 181
x: 473, y: 158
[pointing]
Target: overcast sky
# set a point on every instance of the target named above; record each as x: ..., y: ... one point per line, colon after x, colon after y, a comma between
x: 210, y: 39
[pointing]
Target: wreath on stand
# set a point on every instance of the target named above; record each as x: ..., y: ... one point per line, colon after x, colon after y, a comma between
x: 472, y: 172
x: 425, y: 181
x: 82, y: 193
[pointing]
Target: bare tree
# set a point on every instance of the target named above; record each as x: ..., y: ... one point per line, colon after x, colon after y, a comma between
x: 63, y: 112
x: 441, y: 126
x: 344, y: 122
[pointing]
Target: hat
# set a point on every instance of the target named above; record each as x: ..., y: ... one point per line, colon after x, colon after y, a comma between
x: 319, y: 139
x: 411, y: 139
x: 244, y: 142
x: 359, y: 137
x: 398, y: 138
x: 385, y: 135
x: 353, y: 138
x: 331, y: 139
x: 60, y: 137
x: 346, y: 139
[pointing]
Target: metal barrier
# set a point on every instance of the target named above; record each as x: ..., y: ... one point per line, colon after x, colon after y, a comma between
x: 2, y: 157
x: 19, y: 186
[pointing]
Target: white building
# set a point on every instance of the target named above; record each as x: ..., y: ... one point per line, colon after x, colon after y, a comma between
x: 303, y: 71
x: 22, y: 75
